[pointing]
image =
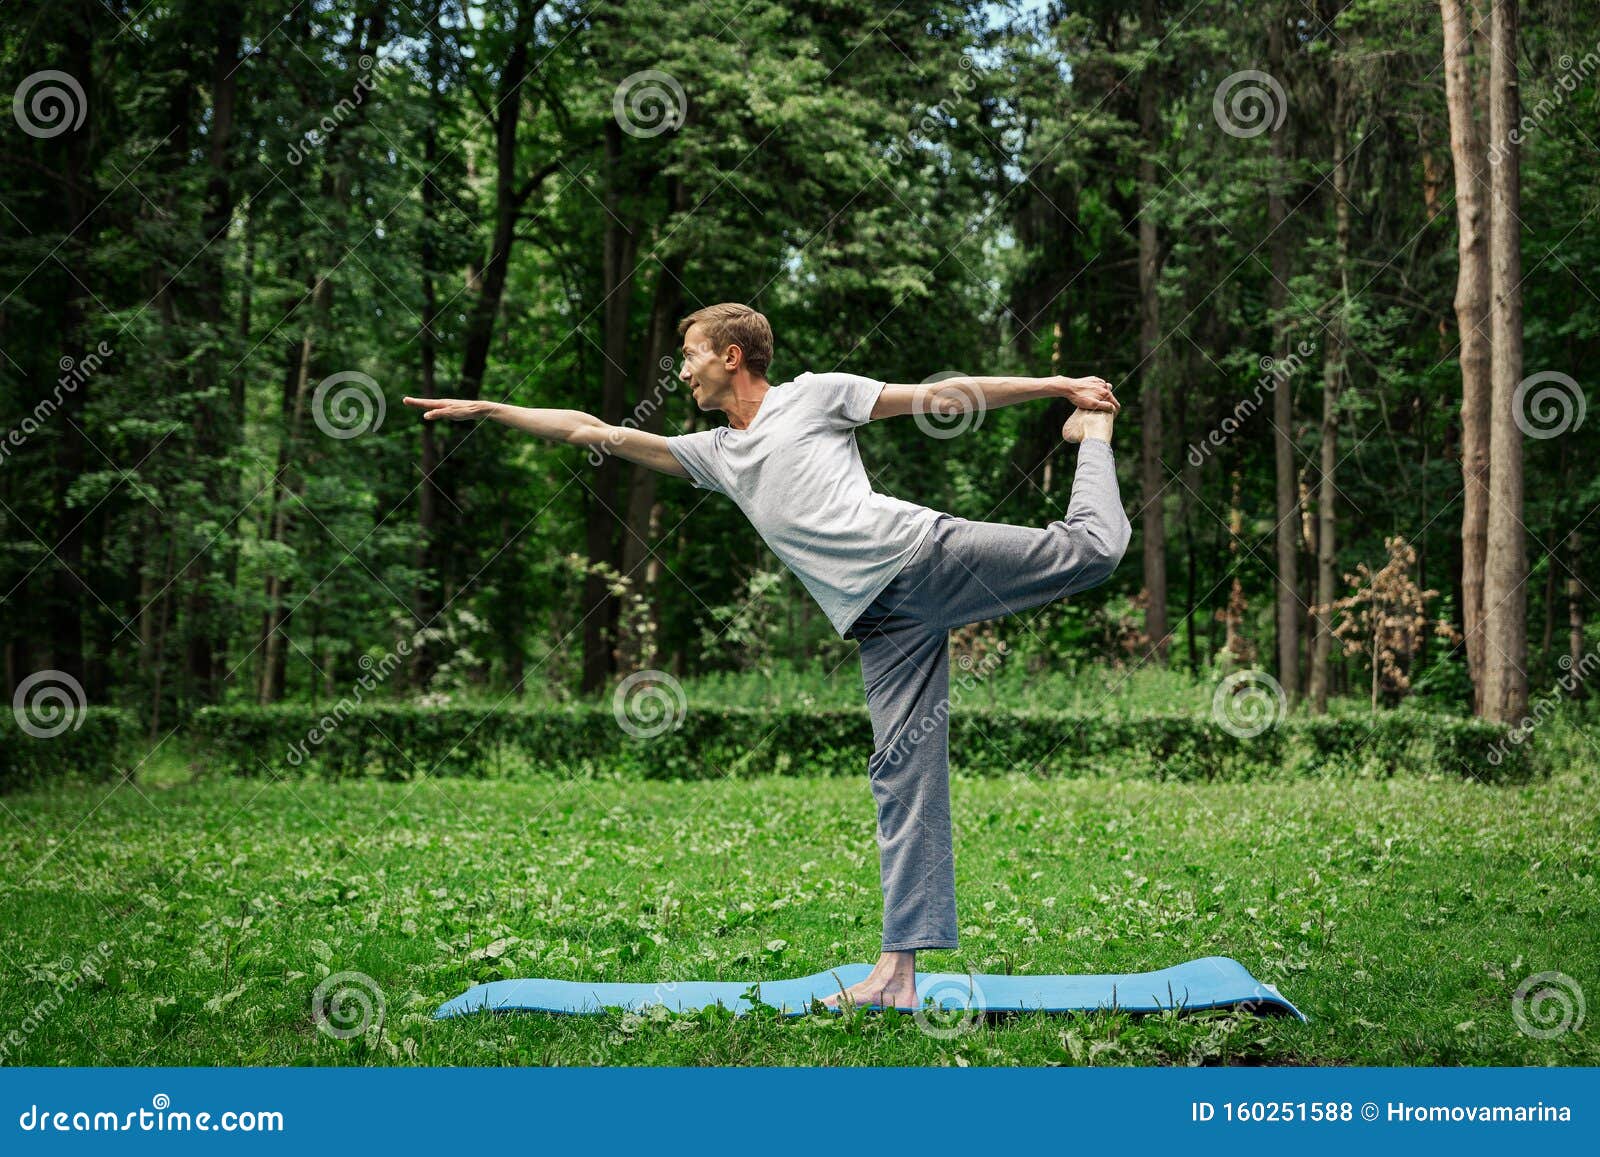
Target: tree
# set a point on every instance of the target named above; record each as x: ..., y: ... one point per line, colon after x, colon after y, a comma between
x: 1334, y: 363
x: 1287, y: 528
x: 1505, y: 595
x: 1385, y: 618
x: 1469, y: 160
x: 1153, y: 486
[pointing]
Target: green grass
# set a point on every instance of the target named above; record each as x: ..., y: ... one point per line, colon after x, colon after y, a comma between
x: 1399, y: 914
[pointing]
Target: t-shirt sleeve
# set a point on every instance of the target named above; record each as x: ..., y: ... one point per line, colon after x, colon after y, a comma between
x: 700, y: 454
x: 844, y: 400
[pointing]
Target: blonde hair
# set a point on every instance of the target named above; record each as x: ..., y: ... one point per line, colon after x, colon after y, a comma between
x: 733, y: 324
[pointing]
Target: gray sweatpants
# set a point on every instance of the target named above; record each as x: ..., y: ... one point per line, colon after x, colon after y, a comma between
x: 963, y: 572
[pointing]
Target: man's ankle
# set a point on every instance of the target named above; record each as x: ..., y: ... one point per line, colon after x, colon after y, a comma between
x: 899, y: 963
x: 1097, y: 424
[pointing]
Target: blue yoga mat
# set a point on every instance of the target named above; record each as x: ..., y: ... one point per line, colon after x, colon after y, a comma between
x: 1209, y: 982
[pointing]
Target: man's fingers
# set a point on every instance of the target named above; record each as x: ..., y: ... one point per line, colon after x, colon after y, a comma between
x: 434, y: 407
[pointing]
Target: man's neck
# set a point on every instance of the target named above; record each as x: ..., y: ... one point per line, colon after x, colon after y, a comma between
x: 746, y: 403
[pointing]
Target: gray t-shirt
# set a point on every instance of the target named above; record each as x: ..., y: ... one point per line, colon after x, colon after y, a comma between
x: 796, y: 473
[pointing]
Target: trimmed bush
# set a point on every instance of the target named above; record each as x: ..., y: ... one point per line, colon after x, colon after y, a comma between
x: 93, y: 747
x: 403, y: 742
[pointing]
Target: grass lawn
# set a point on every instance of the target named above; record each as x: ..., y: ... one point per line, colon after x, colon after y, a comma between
x: 1400, y: 915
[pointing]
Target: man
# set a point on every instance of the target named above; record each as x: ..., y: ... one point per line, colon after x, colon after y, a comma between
x: 894, y: 575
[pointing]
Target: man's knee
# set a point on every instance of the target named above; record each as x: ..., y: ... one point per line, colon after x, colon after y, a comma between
x: 1120, y: 536
x: 1094, y: 547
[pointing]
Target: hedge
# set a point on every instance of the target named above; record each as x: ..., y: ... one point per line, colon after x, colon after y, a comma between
x: 94, y: 745
x: 404, y: 742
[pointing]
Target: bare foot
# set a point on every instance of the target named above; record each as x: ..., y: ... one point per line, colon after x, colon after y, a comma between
x: 1087, y: 424
x: 892, y: 983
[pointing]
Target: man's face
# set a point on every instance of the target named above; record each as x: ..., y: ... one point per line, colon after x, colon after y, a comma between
x: 704, y: 370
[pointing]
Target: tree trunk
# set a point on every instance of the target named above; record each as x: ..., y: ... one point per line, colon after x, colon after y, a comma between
x: 1191, y: 487
x: 1152, y: 521
x: 1332, y: 382
x: 298, y: 385
x: 1287, y: 582
x: 507, y: 203
x: 451, y: 471
x: 604, y: 522
x: 1233, y: 615
x: 65, y: 607
x: 1505, y: 596
x: 337, y: 190
x: 1472, y: 321
x: 1575, y: 647
x: 425, y: 598
x: 217, y: 424
x: 656, y: 386
x: 159, y: 664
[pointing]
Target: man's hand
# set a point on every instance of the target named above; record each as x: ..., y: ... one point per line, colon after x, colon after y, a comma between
x: 1088, y: 393
x: 454, y: 408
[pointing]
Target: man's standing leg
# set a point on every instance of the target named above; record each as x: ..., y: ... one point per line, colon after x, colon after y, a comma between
x: 905, y: 667
x: 907, y: 676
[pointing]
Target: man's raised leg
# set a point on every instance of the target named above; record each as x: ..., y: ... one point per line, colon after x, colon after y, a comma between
x: 985, y: 570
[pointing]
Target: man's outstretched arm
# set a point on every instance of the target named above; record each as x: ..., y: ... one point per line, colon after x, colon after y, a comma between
x: 573, y: 427
x: 955, y: 396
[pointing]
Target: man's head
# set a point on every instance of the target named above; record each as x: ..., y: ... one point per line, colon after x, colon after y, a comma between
x: 726, y: 349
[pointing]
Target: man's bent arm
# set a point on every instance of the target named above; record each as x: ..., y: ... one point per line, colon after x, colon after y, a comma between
x: 962, y: 395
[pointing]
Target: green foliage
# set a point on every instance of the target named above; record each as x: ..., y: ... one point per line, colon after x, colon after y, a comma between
x: 936, y: 185
x: 403, y: 742
x: 94, y: 746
